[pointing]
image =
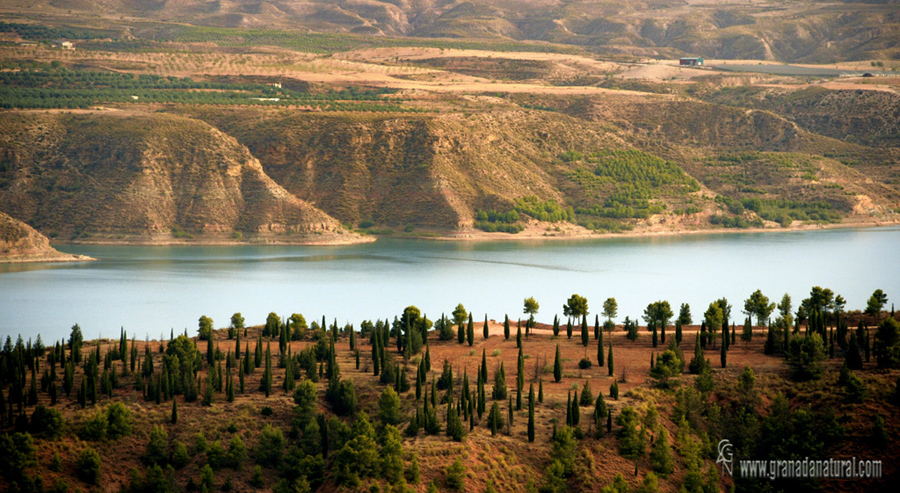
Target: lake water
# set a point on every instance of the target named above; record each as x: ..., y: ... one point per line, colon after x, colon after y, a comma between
x: 150, y: 290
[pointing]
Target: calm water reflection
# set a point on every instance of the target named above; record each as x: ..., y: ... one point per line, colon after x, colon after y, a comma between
x: 150, y: 290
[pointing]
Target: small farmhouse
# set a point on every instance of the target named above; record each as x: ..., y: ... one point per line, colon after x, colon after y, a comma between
x: 691, y: 61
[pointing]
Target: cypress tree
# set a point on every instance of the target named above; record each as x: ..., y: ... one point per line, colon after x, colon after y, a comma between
x: 241, y: 377
x: 597, y: 330
x: 854, y: 361
x: 724, y: 350
x: 352, y: 339
x: 509, y: 417
x: 557, y: 366
x: 519, y: 335
x: 427, y: 358
x: 609, y: 359
x: 569, y: 408
x: 584, y: 331
x: 229, y: 387
x: 576, y: 410
x: 485, y: 326
x: 174, y: 411
x: 499, y: 390
x: 541, y: 391
x: 376, y: 355
x: 678, y: 331
x: 266, y: 382
x: 555, y: 326
x: 258, y: 353
x: 520, y: 380
x: 662, y: 334
x: 288, y: 376
x: 531, y: 417
x: 733, y: 333
x: 461, y: 333
x: 614, y: 390
x: 600, y: 358
x: 867, y: 342
x: 654, y: 333
x: 569, y: 328
x: 506, y: 327
x: 237, y: 344
x: 484, y: 373
x: 609, y: 421
x: 210, y: 351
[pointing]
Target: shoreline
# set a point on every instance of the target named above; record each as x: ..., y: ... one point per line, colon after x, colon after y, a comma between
x: 46, y: 258
x: 534, y: 232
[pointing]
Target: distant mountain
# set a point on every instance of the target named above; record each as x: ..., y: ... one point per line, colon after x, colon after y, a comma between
x: 804, y: 31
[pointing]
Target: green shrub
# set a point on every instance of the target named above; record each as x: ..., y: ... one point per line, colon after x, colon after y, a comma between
x: 88, y: 466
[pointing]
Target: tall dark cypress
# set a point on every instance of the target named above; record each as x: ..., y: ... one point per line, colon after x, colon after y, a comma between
x: 519, y: 335
x: 470, y: 331
x: 531, y: 418
x: 485, y: 326
x: 557, y: 366
x: 210, y: 351
x: 584, y: 331
x: 506, y: 327
x: 600, y: 359
x: 569, y: 328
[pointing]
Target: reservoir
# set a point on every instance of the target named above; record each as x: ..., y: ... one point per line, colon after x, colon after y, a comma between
x: 152, y: 290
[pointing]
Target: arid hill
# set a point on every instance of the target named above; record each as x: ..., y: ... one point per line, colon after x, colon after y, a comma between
x: 149, y: 176
x: 20, y: 242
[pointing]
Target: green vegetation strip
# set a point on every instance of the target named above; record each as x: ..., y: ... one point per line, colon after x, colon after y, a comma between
x: 62, y: 88
x: 335, y: 43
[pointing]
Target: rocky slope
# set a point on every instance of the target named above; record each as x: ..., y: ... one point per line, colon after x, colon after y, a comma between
x: 149, y: 177
x: 20, y: 242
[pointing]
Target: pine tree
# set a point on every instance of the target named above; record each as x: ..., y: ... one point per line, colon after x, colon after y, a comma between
x: 485, y: 326
x: 587, y: 395
x: 557, y: 366
x: 506, y: 327
x: 661, y: 454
